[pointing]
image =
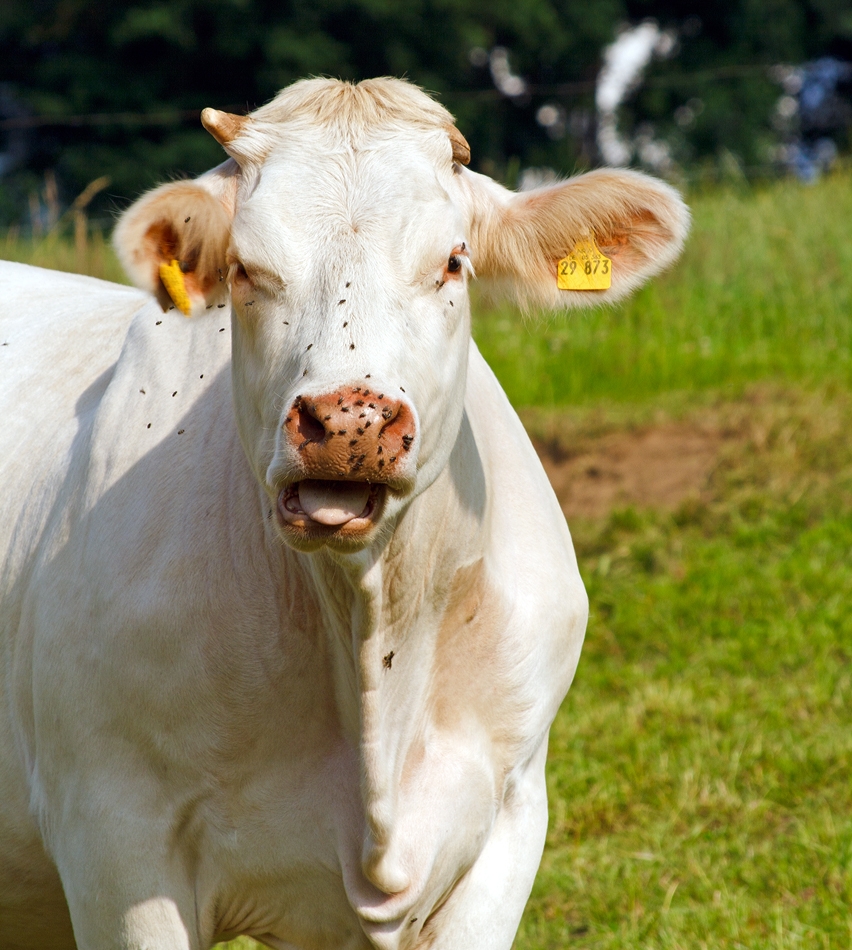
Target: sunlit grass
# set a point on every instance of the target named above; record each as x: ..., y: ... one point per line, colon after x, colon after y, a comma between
x: 93, y: 256
x: 762, y: 291
x: 699, y: 769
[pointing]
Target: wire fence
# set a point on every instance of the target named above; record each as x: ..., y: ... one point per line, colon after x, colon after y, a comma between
x: 565, y: 89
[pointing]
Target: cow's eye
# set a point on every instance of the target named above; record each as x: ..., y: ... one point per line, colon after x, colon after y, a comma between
x: 454, y: 264
x: 240, y: 272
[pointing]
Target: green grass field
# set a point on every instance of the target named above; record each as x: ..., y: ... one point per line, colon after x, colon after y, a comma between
x: 700, y: 767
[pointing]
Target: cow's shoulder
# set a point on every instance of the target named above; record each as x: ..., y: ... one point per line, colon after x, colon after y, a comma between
x: 529, y: 562
x: 524, y: 510
x: 55, y: 326
x: 162, y: 476
x: 122, y: 450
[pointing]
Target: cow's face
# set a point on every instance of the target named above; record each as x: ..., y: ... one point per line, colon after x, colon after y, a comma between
x: 348, y: 272
x: 347, y: 230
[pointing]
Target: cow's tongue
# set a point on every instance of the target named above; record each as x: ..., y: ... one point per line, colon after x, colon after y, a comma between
x: 333, y: 503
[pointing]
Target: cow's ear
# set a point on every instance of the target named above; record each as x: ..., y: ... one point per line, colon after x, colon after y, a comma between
x: 172, y: 242
x: 519, y: 239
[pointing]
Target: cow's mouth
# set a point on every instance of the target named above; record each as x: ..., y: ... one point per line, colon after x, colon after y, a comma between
x: 326, y: 507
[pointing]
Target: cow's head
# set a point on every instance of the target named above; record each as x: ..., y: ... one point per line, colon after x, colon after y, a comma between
x: 344, y: 229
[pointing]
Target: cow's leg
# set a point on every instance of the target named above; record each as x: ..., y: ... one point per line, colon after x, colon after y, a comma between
x: 153, y: 923
x: 126, y: 889
x: 485, y: 909
x: 110, y: 915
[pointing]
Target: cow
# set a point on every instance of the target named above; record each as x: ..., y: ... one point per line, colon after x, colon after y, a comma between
x: 287, y: 604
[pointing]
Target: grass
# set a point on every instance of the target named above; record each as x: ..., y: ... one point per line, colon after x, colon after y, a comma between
x: 700, y: 767
x: 93, y: 256
x: 762, y: 291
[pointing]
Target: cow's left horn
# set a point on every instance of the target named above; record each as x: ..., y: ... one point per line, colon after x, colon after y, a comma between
x: 224, y: 126
x: 461, y: 150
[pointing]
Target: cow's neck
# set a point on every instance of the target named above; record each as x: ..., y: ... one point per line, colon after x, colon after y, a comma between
x: 385, y: 612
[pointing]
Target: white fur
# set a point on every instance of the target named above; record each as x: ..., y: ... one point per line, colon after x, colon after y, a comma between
x: 199, y: 732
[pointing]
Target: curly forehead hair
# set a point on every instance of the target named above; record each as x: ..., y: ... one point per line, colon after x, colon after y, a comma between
x: 373, y: 102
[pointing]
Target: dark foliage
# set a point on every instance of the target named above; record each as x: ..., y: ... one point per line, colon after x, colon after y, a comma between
x: 166, y: 61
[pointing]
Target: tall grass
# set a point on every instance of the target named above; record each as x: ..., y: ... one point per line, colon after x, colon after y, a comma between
x: 90, y: 255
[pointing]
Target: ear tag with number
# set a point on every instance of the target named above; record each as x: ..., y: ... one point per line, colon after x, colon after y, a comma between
x: 173, y: 280
x: 585, y: 268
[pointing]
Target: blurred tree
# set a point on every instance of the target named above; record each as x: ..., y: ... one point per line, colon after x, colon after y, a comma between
x: 701, y: 101
x: 65, y: 58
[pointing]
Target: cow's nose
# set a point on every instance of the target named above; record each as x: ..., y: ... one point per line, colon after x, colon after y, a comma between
x: 356, y: 433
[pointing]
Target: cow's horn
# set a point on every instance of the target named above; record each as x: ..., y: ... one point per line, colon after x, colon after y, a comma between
x: 224, y: 126
x: 461, y: 150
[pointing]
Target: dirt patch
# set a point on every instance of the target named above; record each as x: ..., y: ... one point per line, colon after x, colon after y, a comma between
x: 659, y: 466
x: 774, y: 442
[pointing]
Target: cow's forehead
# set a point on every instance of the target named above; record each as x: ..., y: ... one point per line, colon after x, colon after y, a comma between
x: 390, y: 194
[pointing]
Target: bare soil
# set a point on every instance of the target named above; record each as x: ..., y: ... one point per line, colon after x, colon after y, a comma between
x: 789, y: 443
x: 659, y: 466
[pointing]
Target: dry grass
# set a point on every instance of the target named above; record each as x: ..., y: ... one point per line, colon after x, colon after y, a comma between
x: 91, y: 255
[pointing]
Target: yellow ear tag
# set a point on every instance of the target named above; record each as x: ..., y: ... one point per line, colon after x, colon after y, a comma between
x: 173, y: 280
x: 585, y: 268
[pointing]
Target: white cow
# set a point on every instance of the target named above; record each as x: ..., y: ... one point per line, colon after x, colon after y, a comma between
x: 288, y: 605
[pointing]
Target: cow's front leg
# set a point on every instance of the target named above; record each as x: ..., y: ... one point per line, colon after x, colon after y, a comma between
x: 484, y: 910
x: 126, y: 891
x: 116, y: 915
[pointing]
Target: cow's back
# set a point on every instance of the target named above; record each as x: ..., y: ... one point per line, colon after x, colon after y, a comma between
x: 60, y: 336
